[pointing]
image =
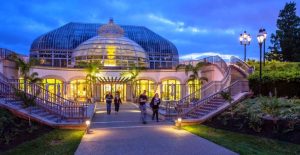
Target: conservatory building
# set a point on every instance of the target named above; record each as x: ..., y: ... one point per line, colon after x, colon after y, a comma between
x: 126, y: 59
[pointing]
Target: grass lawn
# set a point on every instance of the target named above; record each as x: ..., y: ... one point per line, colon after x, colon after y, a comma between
x: 244, y: 144
x: 57, y: 142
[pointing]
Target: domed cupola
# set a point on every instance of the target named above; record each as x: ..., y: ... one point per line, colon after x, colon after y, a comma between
x: 111, y: 49
x: 111, y: 30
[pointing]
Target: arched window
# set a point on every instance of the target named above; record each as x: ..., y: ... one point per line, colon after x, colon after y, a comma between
x: 147, y: 85
x: 54, y: 86
x: 194, y: 86
x: 171, y: 89
x: 79, y: 89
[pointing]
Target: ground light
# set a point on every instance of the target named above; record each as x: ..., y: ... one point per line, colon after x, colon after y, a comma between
x: 88, y: 123
x: 179, y: 120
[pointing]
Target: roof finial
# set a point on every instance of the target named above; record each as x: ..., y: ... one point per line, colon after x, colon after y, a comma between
x: 111, y: 20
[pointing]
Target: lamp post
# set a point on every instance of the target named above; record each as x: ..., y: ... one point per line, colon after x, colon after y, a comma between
x: 264, y: 33
x: 260, y: 39
x: 245, y: 40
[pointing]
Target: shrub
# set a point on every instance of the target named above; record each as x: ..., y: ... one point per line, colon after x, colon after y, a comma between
x: 11, y: 126
x: 279, y: 78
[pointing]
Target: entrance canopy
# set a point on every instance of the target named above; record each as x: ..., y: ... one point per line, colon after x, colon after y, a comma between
x: 108, y: 77
x: 113, y: 79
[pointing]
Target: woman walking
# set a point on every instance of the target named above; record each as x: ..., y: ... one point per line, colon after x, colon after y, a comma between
x: 155, y: 102
x: 117, y: 102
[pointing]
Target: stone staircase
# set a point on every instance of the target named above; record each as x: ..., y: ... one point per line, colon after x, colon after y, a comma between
x: 61, y: 113
x: 40, y: 115
x: 212, y: 103
x: 206, y: 108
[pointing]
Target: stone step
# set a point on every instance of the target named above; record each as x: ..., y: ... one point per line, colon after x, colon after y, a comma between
x: 208, y: 108
x: 200, y: 113
x: 211, y: 105
x: 216, y: 102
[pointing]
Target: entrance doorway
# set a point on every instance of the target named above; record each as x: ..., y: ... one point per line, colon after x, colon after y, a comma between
x: 113, y: 88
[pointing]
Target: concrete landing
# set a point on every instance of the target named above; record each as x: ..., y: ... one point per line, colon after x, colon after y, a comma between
x: 124, y: 134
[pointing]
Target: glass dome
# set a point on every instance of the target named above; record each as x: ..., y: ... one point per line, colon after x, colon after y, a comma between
x: 111, y: 49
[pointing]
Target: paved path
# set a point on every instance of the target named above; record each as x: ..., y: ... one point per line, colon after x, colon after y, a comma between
x: 124, y: 134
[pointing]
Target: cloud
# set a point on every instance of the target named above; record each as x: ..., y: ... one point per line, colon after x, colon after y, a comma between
x: 200, y: 55
x: 179, y: 26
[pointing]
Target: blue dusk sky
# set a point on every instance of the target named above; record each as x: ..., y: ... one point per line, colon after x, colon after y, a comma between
x: 197, y: 27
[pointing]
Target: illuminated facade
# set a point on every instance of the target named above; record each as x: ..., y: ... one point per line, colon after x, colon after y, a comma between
x: 111, y: 49
x: 116, y: 48
x: 56, y: 47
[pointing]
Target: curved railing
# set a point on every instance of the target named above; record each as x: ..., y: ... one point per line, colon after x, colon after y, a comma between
x: 243, y: 66
x: 235, y: 88
x: 4, y: 53
x: 44, y: 99
x: 210, y: 87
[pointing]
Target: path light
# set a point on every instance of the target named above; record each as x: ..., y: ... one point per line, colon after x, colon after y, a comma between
x: 179, y: 120
x: 88, y: 123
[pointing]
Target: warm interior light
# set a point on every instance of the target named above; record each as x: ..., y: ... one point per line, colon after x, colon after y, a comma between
x: 111, y: 56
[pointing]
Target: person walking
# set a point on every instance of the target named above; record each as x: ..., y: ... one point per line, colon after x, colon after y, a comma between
x: 155, y: 102
x: 142, y: 100
x: 108, y: 98
x: 117, y: 102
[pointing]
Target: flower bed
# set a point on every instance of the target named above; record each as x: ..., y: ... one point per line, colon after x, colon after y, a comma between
x: 270, y: 117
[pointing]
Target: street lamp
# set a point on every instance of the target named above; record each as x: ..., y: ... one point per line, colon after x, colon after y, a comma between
x: 245, y: 40
x: 264, y: 32
x: 260, y: 39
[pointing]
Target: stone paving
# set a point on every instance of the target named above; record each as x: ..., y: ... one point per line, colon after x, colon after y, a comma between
x: 124, y: 134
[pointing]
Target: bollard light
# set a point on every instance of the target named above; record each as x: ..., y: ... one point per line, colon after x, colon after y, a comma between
x: 179, y: 120
x: 88, y: 123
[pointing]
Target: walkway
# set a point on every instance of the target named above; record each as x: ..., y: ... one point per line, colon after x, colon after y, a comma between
x: 124, y: 134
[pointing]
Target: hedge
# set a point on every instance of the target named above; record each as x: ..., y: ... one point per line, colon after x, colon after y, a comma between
x: 279, y: 78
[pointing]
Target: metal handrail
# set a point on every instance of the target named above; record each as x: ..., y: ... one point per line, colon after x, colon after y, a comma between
x: 65, y: 111
x: 4, y: 53
x: 241, y: 65
x: 233, y: 89
x: 211, y: 86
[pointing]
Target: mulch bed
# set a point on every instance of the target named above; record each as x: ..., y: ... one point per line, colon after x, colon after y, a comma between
x: 268, y: 129
x: 25, y: 136
x: 21, y: 130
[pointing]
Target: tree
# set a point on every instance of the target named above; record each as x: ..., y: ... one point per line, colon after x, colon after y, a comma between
x: 193, y: 71
x: 288, y: 33
x: 275, y: 50
x: 132, y: 73
x: 24, y: 69
x: 92, y: 69
x: 193, y: 75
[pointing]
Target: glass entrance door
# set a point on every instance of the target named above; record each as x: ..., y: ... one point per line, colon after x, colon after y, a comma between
x: 113, y: 88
